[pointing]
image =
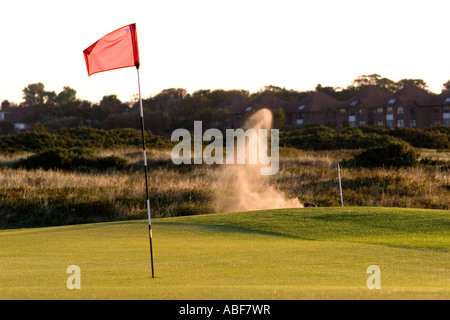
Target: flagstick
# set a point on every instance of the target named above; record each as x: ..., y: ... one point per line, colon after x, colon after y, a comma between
x: 340, y: 185
x: 145, y: 170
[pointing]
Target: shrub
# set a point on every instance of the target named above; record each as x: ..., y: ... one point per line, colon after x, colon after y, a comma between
x: 432, y: 138
x: 310, y: 138
x: 355, y: 138
x: 78, y: 137
x: 77, y: 159
x: 325, y: 138
x: 111, y: 162
x: 395, y: 154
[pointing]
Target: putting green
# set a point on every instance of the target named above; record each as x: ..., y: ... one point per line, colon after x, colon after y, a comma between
x: 309, y: 253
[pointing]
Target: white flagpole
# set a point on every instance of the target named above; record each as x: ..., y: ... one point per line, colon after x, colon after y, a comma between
x: 340, y: 185
x: 145, y: 171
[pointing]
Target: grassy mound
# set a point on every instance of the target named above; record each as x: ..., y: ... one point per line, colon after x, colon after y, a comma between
x: 388, y: 226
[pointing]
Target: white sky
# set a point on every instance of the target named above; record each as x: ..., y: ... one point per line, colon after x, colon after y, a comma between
x: 229, y: 44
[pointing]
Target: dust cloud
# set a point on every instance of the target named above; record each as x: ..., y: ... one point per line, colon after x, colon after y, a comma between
x: 242, y: 187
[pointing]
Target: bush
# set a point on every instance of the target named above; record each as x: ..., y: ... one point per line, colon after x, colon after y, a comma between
x: 111, y: 162
x: 77, y: 159
x: 78, y: 137
x: 395, y: 154
x: 309, y: 138
x: 325, y: 138
x: 355, y: 138
x: 432, y: 138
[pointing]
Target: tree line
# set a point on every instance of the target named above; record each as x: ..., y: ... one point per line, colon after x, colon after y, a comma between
x: 171, y: 108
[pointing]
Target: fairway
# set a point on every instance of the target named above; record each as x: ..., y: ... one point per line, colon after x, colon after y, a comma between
x: 306, y: 253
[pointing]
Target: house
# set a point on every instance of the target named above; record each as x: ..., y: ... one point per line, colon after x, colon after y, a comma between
x: 14, y: 115
x: 315, y: 108
x: 441, y: 109
x: 359, y: 110
x: 408, y: 107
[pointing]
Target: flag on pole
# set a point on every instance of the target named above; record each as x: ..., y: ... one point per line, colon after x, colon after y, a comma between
x: 118, y: 49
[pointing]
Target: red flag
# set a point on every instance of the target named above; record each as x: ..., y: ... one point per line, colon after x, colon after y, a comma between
x: 118, y: 49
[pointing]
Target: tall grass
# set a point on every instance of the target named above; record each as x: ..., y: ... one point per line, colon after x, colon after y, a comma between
x: 312, y: 177
x: 55, y: 197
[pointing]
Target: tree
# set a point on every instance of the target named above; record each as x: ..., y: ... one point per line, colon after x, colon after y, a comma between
x: 165, y: 96
x: 67, y: 95
x: 364, y: 81
x: 328, y: 90
x: 279, y: 118
x: 282, y: 93
x: 34, y: 95
x: 414, y: 82
x: 446, y: 86
x: 111, y: 104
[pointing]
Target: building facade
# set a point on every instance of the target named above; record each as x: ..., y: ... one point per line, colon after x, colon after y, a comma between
x: 409, y: 107
x: 13, y: 116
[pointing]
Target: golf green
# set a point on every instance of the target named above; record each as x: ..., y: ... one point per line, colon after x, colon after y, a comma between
x: 307, y: 253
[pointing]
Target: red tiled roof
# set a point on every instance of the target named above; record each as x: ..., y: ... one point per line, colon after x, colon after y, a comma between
x: 409, y: 94
x: 313, y: 102
x: 442, y: 99
x: 371, y: 96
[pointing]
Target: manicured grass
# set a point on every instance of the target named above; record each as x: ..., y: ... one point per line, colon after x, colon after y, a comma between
x: 308, y: 253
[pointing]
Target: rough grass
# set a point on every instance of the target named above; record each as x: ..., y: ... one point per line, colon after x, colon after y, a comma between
x: 55, y: 197
x: 308, y: 253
